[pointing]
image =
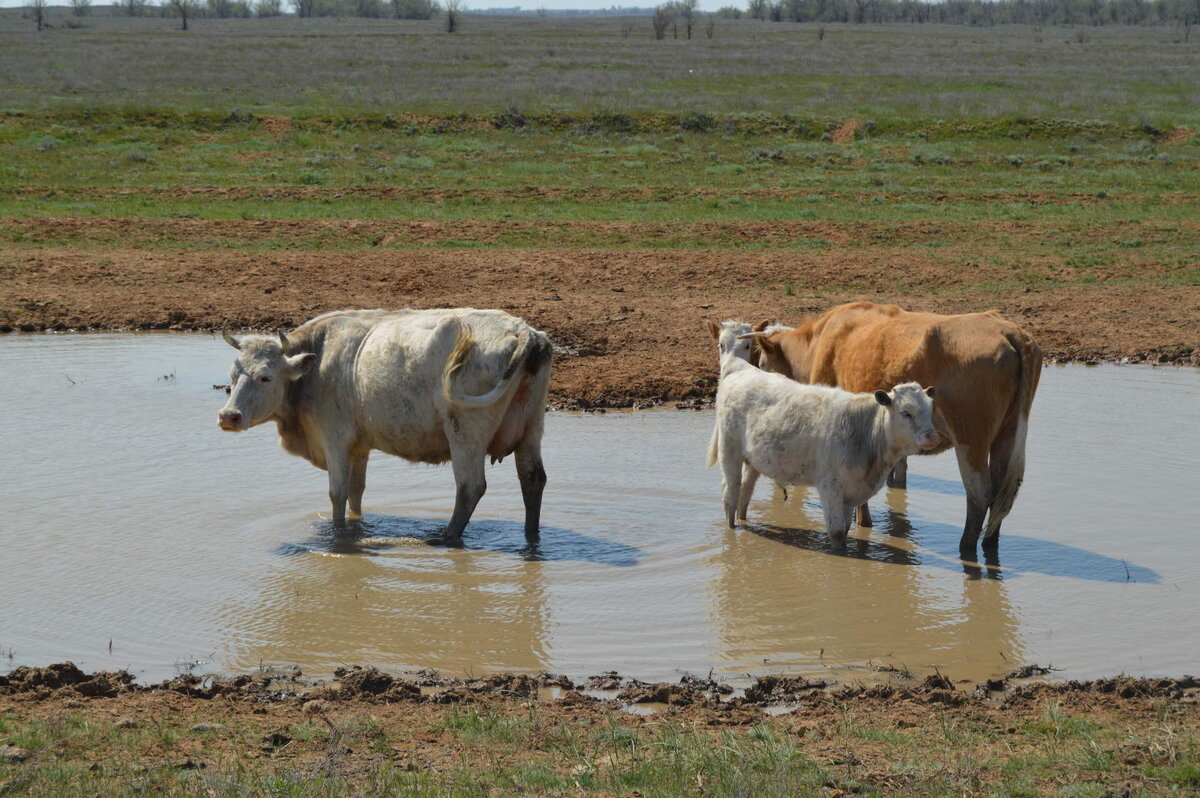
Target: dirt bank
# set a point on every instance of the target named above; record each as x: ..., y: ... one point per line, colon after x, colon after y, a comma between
x: 1126, y: 734
x: 627, y: 322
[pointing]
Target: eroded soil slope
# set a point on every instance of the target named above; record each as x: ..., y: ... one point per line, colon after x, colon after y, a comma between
x: 628, y: 323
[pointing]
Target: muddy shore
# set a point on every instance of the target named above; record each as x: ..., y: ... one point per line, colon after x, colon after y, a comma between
x: 627, y: 324
x: 1127, y: 735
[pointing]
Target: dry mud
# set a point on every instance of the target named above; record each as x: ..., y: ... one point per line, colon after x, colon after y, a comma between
x: 627, y: 324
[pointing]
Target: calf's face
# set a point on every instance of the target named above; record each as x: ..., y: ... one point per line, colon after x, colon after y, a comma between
x: 258, y: 380
x: 736, y: 338
x: 910, y: 416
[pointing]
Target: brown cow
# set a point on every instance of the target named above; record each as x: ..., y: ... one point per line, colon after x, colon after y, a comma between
x: 986, y: 370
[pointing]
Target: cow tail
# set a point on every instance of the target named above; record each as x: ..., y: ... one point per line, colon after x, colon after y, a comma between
x: 1018, y: 418
x: 714, y: 446
x: 463, y: 341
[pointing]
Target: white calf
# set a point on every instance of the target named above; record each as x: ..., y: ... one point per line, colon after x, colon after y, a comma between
x: 841, y: 443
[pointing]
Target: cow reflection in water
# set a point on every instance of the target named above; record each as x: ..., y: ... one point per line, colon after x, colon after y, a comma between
x: 394, y: 602
x: 895, y: 548
x: 876, y: 601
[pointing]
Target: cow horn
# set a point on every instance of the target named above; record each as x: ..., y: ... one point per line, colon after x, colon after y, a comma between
x: 283, y: 341
x: 229, y: 339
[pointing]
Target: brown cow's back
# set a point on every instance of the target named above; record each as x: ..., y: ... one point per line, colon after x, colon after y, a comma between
x: 864, y: 347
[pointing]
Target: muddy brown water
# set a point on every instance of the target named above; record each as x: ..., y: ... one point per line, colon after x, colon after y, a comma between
x: 127, y: 516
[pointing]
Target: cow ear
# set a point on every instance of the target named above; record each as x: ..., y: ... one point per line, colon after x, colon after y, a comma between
x: 929, y: 391
x: 300, y: 364
x: 762, y: 325
x: 714, y: 329
x: 883, y: 398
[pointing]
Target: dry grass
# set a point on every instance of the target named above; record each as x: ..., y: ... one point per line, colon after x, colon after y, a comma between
x: 304, y: 66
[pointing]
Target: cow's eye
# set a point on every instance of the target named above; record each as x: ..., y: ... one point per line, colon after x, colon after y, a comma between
x: 264, y: 378
x: 906, y: 414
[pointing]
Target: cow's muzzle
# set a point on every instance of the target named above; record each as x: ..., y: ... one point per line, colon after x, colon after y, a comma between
x: 929, y: 441
x: 230, y: 420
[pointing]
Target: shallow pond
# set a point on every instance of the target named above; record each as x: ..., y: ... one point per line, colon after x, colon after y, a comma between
x: 134, y: 533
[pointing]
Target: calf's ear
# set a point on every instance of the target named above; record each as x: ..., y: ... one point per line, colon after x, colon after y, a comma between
x: 762, y: 325
x: 883, y: 398
x: 301, y: 363
x: 929, y: 391
x: 714, y: 329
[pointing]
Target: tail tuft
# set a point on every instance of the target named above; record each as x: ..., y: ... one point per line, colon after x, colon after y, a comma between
x: 464, y: 340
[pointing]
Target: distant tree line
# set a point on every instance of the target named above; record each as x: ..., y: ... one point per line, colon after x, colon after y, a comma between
x: 371, y: 9
x: 233, y: 9
x: 612, y: 11
x: 974, y: 12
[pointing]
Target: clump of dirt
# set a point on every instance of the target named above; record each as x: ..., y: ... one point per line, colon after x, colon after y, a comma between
x: 277, y: 125
x: 369, y: 683
x: 845, y: 132
x: 65, y: 676
x: 357, y: 680
x: 936, y: 681
x: 781, y: 689
x: 1185, y: 687
x: 610, y: 680
x: 1180, y: 135
x: 660, y: 693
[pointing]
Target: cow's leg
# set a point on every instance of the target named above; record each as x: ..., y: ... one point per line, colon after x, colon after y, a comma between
x: 358, y: 483
x: 837, y: 514
x: 864, y: 515
x: 731, y: 482
x: 973, y: 466
x: 532, y: 475
x: 337, y: 463
x: 898, y: 476
x: 1000, y: 457
x: 470, y: 484
x: 749, y: 477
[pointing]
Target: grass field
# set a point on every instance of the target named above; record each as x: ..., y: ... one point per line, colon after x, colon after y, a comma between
x: 949, y: 168
x: 1071, y: 742
x: 302, y: 67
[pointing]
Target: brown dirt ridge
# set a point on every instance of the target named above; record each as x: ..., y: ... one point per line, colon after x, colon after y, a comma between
x: 627, y: 324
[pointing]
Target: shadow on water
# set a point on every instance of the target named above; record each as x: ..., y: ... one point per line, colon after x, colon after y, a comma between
x: 380, y: 534
x: 938, y: 543
x: 816, y: 540
x: 946, y: 487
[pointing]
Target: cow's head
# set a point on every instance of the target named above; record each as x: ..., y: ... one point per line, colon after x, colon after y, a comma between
x: 734, y: 337
x: 259, y: 378
x: 770, y: 344
x: 910, y: 416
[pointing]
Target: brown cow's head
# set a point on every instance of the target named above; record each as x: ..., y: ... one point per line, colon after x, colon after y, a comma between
x: 259, y: 378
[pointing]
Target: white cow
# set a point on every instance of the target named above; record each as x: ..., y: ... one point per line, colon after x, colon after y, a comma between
x: 841, y: 443
x: 426, y: 385
x: 736, y: 337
